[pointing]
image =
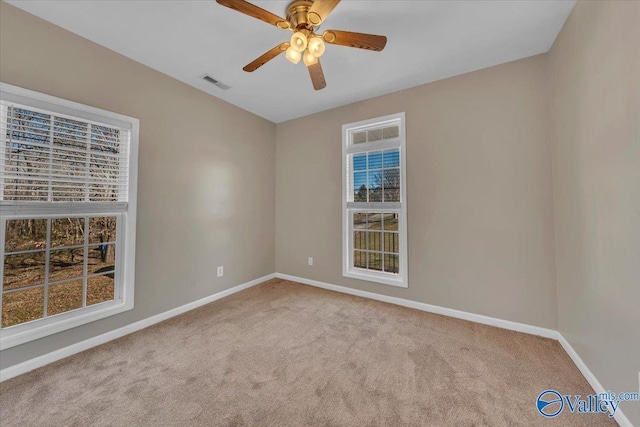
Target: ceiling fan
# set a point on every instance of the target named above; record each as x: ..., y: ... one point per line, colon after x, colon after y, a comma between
x: 303, y: 18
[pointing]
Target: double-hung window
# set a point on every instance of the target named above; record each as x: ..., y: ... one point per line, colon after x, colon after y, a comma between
x: 67, y: 214
x: 374, y: 200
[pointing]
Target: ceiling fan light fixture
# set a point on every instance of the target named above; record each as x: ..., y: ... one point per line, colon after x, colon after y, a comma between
x: 303, y: 19
x: 299, y: 41
x: 316, y: 46
x: 309, y: 58
x: 293, y: 55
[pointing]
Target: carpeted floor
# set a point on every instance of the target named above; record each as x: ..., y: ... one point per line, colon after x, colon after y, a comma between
x: 285, y: 354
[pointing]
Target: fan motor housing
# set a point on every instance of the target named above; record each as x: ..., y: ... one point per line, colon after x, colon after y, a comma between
x: 297, y: 14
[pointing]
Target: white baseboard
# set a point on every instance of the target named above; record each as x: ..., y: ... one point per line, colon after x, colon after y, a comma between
x: 478, y: 318
x: 54, y: 356
x: 37, y: 362
x: 619, y: 416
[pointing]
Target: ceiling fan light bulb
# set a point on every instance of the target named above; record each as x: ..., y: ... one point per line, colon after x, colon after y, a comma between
x: 316, y: 46
x: 299, y: 41
x: 293, y: 55
x: 309, y: 58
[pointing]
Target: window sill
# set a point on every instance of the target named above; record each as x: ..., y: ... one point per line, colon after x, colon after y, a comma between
x: 26, y: 332
x: 398, y: 281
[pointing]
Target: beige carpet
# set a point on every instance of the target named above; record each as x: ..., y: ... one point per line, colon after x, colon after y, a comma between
x: 285, y: 354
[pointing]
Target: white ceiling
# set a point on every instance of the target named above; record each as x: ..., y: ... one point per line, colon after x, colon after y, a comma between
x: 427, y: 41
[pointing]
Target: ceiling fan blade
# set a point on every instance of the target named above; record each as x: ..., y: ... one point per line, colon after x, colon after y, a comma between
x: 319, y: 11
x: 317, y: 76
x: 254, y: 11
x: 359, y: 40
x: 266, y: 57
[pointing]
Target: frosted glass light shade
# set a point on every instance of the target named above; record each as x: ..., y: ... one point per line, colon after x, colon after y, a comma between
x: 316, y: 46
x: 309, y: 58
x: 299, y: 41
x: 293, y: 55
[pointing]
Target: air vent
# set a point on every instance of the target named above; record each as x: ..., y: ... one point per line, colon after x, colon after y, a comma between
x: 215, y: 82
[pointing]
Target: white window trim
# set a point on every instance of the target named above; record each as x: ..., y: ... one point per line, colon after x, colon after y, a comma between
x: 399, y: 280
x: 125, y: 249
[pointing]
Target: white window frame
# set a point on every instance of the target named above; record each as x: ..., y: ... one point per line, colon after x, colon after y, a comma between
x: 348, y: 207
x: 126, y: 221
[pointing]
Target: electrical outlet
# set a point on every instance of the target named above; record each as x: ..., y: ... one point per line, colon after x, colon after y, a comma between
x: 220, y: 271
x: 310, y: 261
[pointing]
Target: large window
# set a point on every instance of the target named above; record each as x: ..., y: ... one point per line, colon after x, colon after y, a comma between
x: 374, y: 198
x: 67, y: 206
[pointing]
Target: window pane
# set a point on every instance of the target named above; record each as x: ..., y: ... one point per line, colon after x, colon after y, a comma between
x: 391, y: 132
x: 67, y: 232
x: 64, y: 297
x: 102, y: 258
x: 74, y: 192
x: 24, y: 129
x: 70, y: 133
x: 102, y: 229
x: 375, y: 186
x: 105, y: 139
x: 104, y: 171
x: 374, y: 261
x: 23, y: 270
x: 374, y: 135
x: 392, y: 185
x: 360, y: 259
x: 359, y: 162
x: 359, y: 137
x: 391, y: 242
x: 359, y: 221
x: 66, y: 264
x: 374, y: 241
x: 391, y: 221
x: 374, y: 160
x: 69, y: 164
x: 374, y: 221
x: 360, y: 187
x: 25, y: 189
x: 99, y: 289
x: 22, y: 306
x: 359, y: 240
x: 391, y: 263
x: 25, y: 234
x: 392, y: 158
x: 27, y: 125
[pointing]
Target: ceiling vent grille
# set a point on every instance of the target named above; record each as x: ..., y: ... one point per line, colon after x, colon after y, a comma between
x: 215, y: 82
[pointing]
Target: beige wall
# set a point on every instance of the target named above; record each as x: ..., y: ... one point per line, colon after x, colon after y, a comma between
x: 206, y: 172
x: 594, y: 75
x: 479, y: 193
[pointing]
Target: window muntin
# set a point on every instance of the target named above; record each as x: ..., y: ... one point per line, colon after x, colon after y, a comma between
x: 375, y: 133
x: 376, y: 241
x: 67, y: 203
x: 51, y: 157
x: 60, y: 263
x: 376, y: 176
x: 374, y: 216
